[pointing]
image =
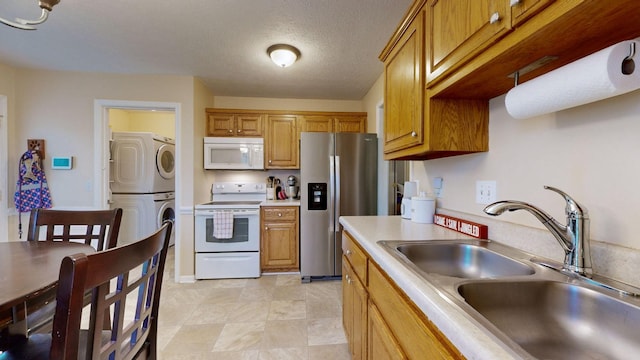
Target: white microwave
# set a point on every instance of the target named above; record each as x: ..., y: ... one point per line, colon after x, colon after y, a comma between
x: 233, y: 153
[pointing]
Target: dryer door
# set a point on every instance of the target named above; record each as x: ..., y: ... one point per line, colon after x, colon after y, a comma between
x: 165, y: 161
x: 166, y: 212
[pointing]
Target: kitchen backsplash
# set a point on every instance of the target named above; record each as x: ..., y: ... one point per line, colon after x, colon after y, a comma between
x: 612, y: 261
x: 249, y: 176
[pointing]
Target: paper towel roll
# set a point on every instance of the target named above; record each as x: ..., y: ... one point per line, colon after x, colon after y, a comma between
x: 592, y: 78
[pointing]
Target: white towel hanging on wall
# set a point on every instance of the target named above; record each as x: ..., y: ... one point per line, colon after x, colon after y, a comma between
x: 595, y: 77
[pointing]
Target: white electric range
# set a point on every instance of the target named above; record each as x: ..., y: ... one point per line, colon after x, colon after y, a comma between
x: 239, y: 255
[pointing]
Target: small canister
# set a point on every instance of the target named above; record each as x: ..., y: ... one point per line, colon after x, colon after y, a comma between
x: 423, y: 208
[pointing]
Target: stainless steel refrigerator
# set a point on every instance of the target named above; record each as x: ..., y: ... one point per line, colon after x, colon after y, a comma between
x: 338, y: 173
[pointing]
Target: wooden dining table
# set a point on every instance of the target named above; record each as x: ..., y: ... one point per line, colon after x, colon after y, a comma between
x: 28, y: 278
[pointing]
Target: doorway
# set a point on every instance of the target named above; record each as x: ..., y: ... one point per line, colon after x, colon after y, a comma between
x: 4, y: 149
x: 102, y: 136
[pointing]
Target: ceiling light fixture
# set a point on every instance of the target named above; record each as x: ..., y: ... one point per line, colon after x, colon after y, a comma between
x: 23, y: 24
x: 283, y: 55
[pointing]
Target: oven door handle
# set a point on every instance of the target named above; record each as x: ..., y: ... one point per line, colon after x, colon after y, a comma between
x: 254, y: 212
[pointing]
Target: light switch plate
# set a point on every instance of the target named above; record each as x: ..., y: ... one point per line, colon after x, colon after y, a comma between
x: 486, y: 192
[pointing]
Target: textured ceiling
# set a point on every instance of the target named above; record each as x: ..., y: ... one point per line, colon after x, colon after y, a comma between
x: 222, y: 42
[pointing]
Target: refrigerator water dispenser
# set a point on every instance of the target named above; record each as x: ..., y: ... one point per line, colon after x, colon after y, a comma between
x: 317, y: 196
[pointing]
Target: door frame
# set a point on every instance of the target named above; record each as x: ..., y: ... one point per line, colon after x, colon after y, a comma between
x: 383, y: 166
x: 4, y: 164
x: 101, y: 152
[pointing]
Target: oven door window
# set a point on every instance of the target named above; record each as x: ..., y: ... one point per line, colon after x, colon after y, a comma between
x: 240, y: 232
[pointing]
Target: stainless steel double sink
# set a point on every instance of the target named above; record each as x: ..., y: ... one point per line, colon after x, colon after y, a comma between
x: 537, y: 311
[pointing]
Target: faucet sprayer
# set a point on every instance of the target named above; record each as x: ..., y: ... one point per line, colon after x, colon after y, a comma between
x: 573, y: 237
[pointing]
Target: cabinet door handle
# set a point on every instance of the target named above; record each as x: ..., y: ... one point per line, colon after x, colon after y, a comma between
x: 230, y: 131
x: 348, y: 252
x: 266, y: 228
x: 495, y: 17
x: 414, y: 134
x: 279, y: 214
x: 348, y: 279
x: 269, y: 161
x: 514, y: 3
x: 239, y: 130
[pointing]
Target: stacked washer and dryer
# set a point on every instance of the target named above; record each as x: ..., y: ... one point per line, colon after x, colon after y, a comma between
x: 142, y: 182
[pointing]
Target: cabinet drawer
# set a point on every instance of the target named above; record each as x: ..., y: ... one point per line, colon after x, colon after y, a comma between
x: 279, y: 213
x: 356, y: 257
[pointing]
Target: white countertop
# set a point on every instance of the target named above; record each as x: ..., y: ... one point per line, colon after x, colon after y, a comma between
x: 470, y: 339
x: 280, y: 203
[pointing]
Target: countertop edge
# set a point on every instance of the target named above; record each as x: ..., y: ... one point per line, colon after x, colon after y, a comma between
x: 280, y: 203
x: 467, y: 336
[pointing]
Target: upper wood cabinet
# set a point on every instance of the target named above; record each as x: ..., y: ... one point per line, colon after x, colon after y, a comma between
x: 547, y: 32
x: 522, y: 10
x: 459, y: 29
x: 232, y: 124
x: 281, y: 142
x: 336, y: 122
x: 317, y: 123
x: 439, y: 106
x: 418, y: 126
x: 404, y: 87
x: 347, y: 123
x: 281, y: 129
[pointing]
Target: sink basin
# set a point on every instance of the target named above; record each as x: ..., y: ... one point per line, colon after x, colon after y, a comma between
x: 463, y: 260
x: 557, y: 320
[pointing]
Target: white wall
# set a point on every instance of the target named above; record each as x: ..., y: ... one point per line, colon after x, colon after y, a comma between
x: 59, y: 107
x: 589, y: 152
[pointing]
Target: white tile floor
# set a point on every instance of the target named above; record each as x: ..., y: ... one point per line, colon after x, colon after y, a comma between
x: 273, y: 317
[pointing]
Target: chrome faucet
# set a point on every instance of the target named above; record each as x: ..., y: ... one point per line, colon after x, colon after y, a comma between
x: 573, y: 237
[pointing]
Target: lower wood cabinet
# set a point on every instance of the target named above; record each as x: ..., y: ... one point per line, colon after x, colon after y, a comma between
x: 382, y: 345
x: 380, y: 320
x: 279, y: 242
x: 354, y: 307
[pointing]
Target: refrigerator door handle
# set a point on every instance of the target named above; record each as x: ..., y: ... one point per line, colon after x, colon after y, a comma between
x: 335, y: 248
x: 337, y: 191
x: 332, y: 189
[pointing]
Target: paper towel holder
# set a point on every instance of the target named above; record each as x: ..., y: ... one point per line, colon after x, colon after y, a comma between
x: 628, y: 65
x: 532, y: 66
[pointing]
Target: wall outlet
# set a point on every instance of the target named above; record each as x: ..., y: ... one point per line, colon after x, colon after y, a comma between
x: 485, y: 192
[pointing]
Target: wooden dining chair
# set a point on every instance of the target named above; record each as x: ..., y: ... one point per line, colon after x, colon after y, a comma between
x: 137, y: 268
x: 98, y: 228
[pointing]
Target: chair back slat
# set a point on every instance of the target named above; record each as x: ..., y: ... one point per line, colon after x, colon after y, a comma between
x: 98, y: 228
x: 137, y: 269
